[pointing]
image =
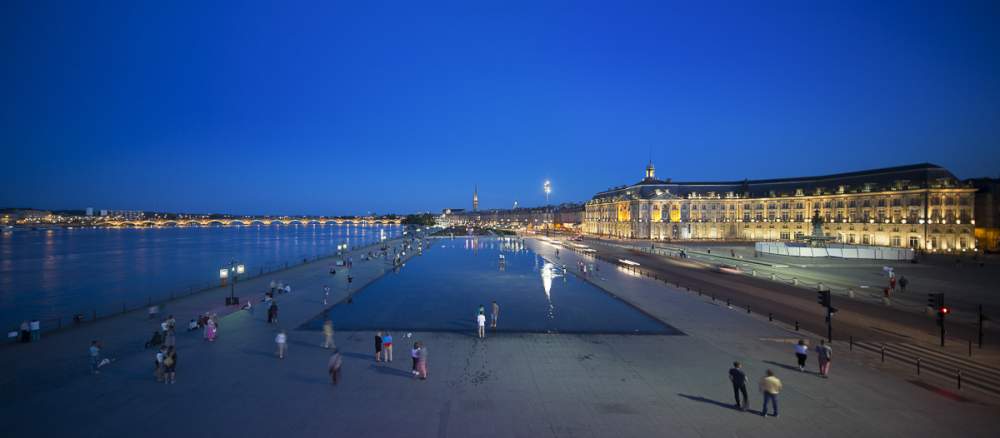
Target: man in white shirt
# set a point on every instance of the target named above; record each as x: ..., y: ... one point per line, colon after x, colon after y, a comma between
x: 36, y: 330
x: 481, y: 319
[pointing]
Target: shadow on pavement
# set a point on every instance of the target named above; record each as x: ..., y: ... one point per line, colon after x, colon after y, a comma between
x: 699, y: 398
x: 387, y: 369
x: 785, y: 366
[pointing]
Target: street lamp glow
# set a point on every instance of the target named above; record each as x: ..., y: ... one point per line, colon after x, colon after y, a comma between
x: 224, y: 273
x: 240, y: 268
x: 548, y: 189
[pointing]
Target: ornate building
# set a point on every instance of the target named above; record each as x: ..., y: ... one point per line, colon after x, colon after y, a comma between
x: 921, y: 206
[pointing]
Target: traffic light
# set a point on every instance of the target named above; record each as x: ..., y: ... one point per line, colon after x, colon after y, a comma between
x: 935, y: 301
x: 823, y: 298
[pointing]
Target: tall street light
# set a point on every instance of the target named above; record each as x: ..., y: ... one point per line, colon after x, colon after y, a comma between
x: 548, y: 189
x: 235, y: 269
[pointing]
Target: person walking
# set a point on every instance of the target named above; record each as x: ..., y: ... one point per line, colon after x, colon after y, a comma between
x: 25, y: 331
x: 422, y: 362
x: 824, y: 353
x: 36, y: 330
x: 481, y: 321
x: 170, y: 366
x: 902, y: 283
x: 770, y: 386
x: 272, y: 313
x: 211, y: 329
x: 169, y: 339
x: 801, y: 353
x: 326, y: 294
x: 415, y: 355
x: 387, y: 346
x: 282, y: 341
x: 378, y: 346
x: 328, y: 334
x: 333, y: 365
x: 159, y: 371
x: 288, y: 288
x: 95, y: 356
x: 495, y: 314
x: 739, y: 380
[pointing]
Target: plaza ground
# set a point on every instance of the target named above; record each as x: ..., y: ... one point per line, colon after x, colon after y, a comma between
x: 527, y: 385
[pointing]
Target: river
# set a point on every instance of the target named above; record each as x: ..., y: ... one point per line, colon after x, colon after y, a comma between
x: 50, y: 274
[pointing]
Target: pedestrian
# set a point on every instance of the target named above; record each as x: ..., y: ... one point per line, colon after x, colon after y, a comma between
x: 95, y: 356
x: 739, y: 380
x: 902, y: 283
x: 288, y: 288
x: 326, y: 293
x: 378, y: 346
x: 892, y: 283
x: 282, y: 342
x: 272, y: 313
x: 273, y: 285
x: 169, y: 339
x: 25, y: 331
x: 36, y: 330
x: 824, y: 353
x: 801, y: 353
x: 387, y: 346
x: 211, y: 329
x: 496, y: 314
x: 422, y: 362
x: 328, y: 334
x: 481, y: 322
x: 333, y: 365
x: 171, y: 322
x: 154, y: 311
x: 770, y: 386
x: 415, y: 355
x: 159, y: 371
x: 170, y: 366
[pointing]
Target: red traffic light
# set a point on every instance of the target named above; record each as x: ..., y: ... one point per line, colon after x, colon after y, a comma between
x: 945, y: 310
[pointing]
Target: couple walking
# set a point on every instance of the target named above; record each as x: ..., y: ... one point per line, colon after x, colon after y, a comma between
x: 481, y: 319
x: 824, y: 355
x: 769, y: 386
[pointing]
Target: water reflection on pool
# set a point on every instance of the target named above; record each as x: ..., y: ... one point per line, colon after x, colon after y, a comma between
x: 443, y: 289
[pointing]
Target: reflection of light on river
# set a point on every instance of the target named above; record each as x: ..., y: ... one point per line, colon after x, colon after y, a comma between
x: 548, y: 273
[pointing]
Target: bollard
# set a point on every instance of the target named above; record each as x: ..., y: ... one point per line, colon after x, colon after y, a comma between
x: 796, y: 326
x: 883, y: 353
x: 748, y: 308
x: 918, y: 366
x: 851, y: 342
x: 959, y: 377
x: 728, y: 304
x: 850, y: 293
x: 772, y: 277
x: 795, y: 281
x: 713, y: 298
x: 770, y: 317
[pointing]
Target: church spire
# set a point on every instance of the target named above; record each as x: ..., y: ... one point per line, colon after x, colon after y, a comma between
x: 475, y: 198
x: 650, y: 171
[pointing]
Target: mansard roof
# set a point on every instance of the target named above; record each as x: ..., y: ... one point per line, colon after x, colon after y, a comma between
x: 901, y: 177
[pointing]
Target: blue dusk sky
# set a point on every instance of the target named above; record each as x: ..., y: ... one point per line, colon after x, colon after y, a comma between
x: 349, y: 107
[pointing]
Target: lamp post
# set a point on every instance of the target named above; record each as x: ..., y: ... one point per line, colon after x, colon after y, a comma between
x: 235, y: 269
x: 548, y: 189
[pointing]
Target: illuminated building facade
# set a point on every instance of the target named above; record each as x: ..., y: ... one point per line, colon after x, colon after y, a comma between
x: 921, y: 206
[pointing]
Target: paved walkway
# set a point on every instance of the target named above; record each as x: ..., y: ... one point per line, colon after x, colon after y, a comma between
x: 527, y: 385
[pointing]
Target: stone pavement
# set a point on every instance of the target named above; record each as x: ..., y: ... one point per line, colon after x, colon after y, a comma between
x: 506, y: 385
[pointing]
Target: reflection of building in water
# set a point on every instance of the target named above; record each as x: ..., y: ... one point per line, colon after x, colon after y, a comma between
x: 920, y: 206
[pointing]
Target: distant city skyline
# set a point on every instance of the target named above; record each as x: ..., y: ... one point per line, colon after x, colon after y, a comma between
x: 346, y: 109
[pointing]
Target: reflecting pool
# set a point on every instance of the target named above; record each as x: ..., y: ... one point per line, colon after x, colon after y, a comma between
x: 443, y: 289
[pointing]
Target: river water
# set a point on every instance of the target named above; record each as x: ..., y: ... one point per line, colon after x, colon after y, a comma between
x: 51, y: 274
